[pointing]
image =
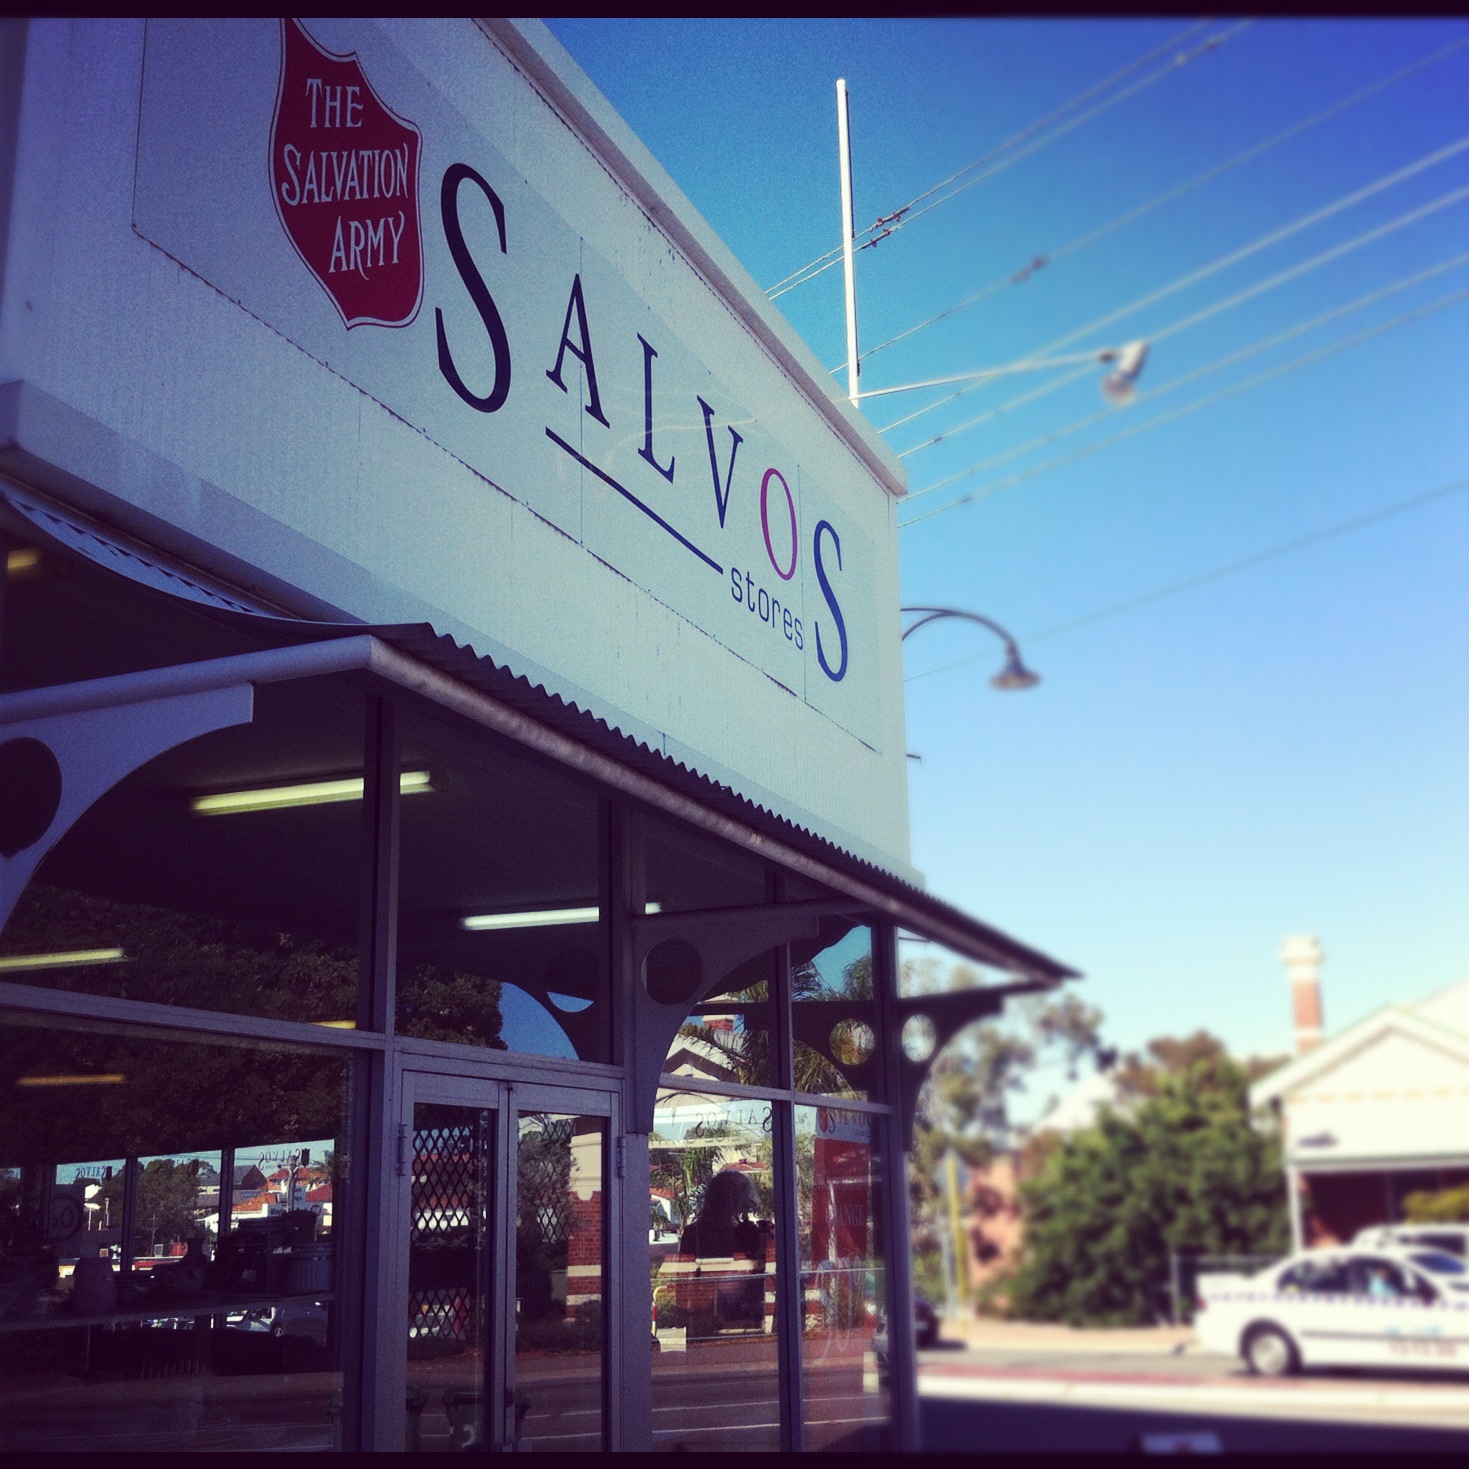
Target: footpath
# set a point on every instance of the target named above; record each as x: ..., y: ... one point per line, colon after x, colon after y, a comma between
x: 988, y: 1334
x: 1130, y: 1368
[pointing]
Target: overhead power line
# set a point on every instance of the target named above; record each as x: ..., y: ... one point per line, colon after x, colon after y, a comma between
x: 889, y: 224
x: 1263, y: 242
x: 1229, y: 360
x: 1230, y: 568
x: 1273, y: 282
x: 1219, y: 364
x: 886, y: 223
x: 906, y: 217
x: 1320, y: 354
x: 1040, y: 261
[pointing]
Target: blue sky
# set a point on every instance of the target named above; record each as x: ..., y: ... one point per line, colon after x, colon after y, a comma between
x: 1278, y: 749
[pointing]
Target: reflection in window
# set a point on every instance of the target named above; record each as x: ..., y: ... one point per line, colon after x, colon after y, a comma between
x: 728, y: 1035
x: 166, y: 1232
x: 501, y: 941
x: 711, y: 1210
x: 833, y: 1012
x: 251, y: 911
x: 559, y: 1252
x: 843, y: 1387
x: 449, y: 1301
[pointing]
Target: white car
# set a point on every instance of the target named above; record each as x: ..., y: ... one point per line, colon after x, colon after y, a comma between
x: 1344, y: 1307
x: 1451, y: 1239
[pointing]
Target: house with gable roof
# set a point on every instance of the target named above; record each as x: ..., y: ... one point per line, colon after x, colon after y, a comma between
x: 1373, y: 1114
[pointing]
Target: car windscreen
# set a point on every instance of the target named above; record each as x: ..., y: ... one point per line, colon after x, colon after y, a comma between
x: 1438, y: 1262
x: 1316, y: 1277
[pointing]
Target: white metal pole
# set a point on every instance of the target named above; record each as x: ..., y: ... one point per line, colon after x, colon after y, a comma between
x: 844, y: 148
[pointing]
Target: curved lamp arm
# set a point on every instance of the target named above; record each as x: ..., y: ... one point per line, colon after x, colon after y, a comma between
x: 1014, y: 675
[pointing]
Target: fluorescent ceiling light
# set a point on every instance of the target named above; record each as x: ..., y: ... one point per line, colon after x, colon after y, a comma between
x: 12, y: 962
x: 107, y: 1078
x: 303, y: 793
x: 538, y: 918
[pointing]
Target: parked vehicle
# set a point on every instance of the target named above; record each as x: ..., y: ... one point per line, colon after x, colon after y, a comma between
x: 1340, y: 1307
x: 925, y: 1331
x: 1451, y: 1238
x: 292, y: 1318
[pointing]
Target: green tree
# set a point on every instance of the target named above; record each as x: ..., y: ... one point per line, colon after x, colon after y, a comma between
x: 1176, y: 1166
x: 167, y: 1205
x: 967, y: 1105
x: 1446, y: 1206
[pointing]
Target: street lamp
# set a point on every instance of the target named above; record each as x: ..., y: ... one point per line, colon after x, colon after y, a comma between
x: 1014, y: 675
x: 1118, y: 387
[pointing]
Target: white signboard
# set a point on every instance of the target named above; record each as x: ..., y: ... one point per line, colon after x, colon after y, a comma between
x: 314, y: 175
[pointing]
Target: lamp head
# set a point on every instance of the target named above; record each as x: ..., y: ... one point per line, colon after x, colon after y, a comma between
x: 1119, y: 387
x: 1014, y: 675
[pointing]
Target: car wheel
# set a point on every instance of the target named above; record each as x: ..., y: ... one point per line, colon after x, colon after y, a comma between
x: 1269, y: 1352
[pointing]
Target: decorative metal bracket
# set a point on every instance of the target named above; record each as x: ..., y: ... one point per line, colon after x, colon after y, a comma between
x: 949, y: 1014
x: 54, y: 766
x: 680, y: 958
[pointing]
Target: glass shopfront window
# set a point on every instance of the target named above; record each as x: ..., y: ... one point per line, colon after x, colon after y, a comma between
x: 173, y: 1208
x: 169, y: 1212
x: 223, y: 875
x: 716, y: 1369
x: 684, y: 869
x: 834, y: 1014
x: 843, y: 1380
x: 501, y: 933
x: 729, y: 1035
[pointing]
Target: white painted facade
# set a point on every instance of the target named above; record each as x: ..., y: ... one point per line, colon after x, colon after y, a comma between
x: 170, y: 367
x: 1390, y: 1092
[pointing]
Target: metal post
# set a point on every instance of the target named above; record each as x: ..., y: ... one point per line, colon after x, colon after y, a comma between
x: 1293, y: 1199
x: 849, y: 272
x: 960, y: 1254
x: 370, y: 1336
x: 789, y: 1283
x: 5, y: 544
x: 896, y: 1237
x: 629, y: 1376
x: 129, y: 1216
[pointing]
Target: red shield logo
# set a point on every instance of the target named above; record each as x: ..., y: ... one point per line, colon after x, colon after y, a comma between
x: 344, y: 174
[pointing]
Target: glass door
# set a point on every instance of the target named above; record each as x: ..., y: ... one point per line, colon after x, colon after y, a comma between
x: 501, y: 1265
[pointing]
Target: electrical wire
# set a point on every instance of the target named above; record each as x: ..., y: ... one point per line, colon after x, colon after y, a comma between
x: 907, y: 218
x: 1280, y: 278
x: 830, y: 258
x: 1218, y: 573
x: 1013, y: 141
x: 890, y: 224
x: 1041, y: 260
x: 1232, y: 391
x: 1092, y: 419
x: 1264, y: 242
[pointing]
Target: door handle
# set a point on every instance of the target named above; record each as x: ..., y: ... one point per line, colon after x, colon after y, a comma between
x: 520, y: 1406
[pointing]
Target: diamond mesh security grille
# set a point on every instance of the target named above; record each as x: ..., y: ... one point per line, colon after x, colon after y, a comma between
x: 543, y: 1203
x: 449, y: 1194
x: 448, y: 1178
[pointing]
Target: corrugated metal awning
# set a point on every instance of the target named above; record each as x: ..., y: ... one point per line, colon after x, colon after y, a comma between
x: 690, y: 794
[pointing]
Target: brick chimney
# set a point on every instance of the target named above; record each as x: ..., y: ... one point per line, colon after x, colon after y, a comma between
x: 1302, y: 955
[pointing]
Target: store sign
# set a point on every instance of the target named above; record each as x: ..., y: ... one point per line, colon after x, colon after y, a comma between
x: 344, y: 177
x: 513, y: 341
